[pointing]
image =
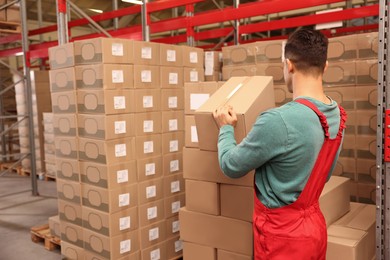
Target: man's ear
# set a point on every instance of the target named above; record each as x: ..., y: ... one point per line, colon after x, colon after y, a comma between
x: 326, y: 66
x: 290, y: 66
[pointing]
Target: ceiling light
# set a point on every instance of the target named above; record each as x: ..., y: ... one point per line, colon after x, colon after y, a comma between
x: 96, y: 10
x: 138, y: 2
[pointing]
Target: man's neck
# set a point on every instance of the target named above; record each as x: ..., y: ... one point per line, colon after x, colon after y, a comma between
x: 309, y: 86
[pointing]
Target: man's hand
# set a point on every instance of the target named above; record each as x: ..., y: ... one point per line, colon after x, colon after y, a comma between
x: 225, y: 115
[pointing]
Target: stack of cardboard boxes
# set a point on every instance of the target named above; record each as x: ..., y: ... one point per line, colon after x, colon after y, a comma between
x: 213, y: 65
x: 49, y: 147
x: 11, y: 13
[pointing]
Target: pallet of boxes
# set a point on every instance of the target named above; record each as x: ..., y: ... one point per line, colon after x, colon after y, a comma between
x: 10, y: 17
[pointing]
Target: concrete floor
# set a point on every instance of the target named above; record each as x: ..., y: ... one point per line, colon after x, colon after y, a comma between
x: 19, y: 211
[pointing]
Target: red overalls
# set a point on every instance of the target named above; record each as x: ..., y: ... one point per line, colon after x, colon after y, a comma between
x: 298, y: 231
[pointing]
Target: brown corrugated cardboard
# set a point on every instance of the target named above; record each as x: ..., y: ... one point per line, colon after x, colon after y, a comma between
x: 340, y: 73
x: 110, y: 224
x: 282, y: 95
x: 195, y: 94
x: 67, y: 169
x: 268, y: 51
x: 258, y: 94
x: 66, y: 147
x: 108, y: 152
x: 109, y: 201
x: 343, y: 95
x: 172, y: 142
x: 367, y: 72
x: 209, y: 169
x: 73, y: 252
x: 216, y: 231
x: 69, y: 191
x: 172, y: 99
x: 366, y: 170
x: 367, y: 44
x: 173, y: 204
x: 172, y: 226
x: 192, y: 57
x: 191, y: 135
x: 366, y: 146
x: 173, y: 184
x: 104, y: 76
x: 172, y: 121
x: 153, y: 234
x: 150, y: 190
x: 343, y: 48
x: 345, y: 167
x: 64, y: 102
x: 193, y: 75
x: 70, y: 212
x: 273, y: 69
x: 105, y: 101
x: 204, y: 197
x: 149, y: 168
x: 193, y: 251
x: 238, y: 55
x: 103, y: 50
x: 172, y: 163
x: 150, y: 213
x: 148, y: 123
x: 366, y: 97
x: 146, y: 76
x: 147, y: 53
x: 65, y: 124
x: 148, y: 146
x: 171, y: 55
x: 108, y: 176
x: 72, y: 234
x: 90, y: 256
x: 212, y: 61
x: 174, y: 247
x: 106, y: 127
x: 61, y: 56
x: 147, y: 100
x: 236, y: 201
x: 366, y: 193
x: 54, y: 226
x: 227, y: 255
x: 171, y: 77
x: 62, y: 79
x: 13, y: 14
x: 215, y: 76
x: 154, y: 252
x: 111, y: 247
x: 365, y: 123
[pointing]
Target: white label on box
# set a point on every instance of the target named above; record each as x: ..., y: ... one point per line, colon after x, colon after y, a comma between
x: 194, y: 134
x: 173, y: 78
x: 146, y: 53
x: 148, y: 126
x: 148, y: 101
x: 124, y: 223
x: 171, y: 55
x: 175, y: 186
x: 152, y: 213
x: 148, y: 147
x: 175, y: 226
x: 150, y: 169
x: 209, y: 63
x: 194, y: 76
x: 193, y: 57
x: 174, y: 165
x: 122, y: 176
x: 178, y: 246
x: 117, y: 49
x: 172, y: 102
x: 151, y: 192
x: 119, y: 102
x: 120, y: 127
x: 153, y: 234
x: 117, y: 76
x: 124, y: 199
x: 173, y: 146
x: 155, y: 254
x: 172, y: 125
x: 196, y: 100
x: 120, y: 150
x: 175, y: 206
x: 125, y: 246
x: 146, y: 76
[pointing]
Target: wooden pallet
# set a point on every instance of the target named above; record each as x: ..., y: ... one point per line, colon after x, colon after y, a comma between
x: 42, y: 234
x: 50, y: 177
x: 12, y: 169
x: 9, y: 27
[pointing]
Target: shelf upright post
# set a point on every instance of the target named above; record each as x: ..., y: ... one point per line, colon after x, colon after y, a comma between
x: 236, y: 25
x: 145, y: 21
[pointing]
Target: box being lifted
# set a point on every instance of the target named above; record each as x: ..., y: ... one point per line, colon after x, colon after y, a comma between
x: 249, y: 96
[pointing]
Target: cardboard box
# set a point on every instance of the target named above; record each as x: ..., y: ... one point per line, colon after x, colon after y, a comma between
x: 67, y: 169
x: 172, y: 121
x: 343, y: 48
x: 282, y: 95
x: 172, y: 99
x: 147, y: 76
x: 66, y: 147
x: 174, y: 247
x: 274, y: 70
x: 62, y: 79
x: 236, y: 201
x: 148, y: 146
x: 106, y: 102
x: 366, y: 146
x: 340, y: 73
x: 172, y: 142
x: 106, y: 127
x: 111, y: 247
x: 173, y: 184
x: 154, y: 252
x: 193, y: 251
x: 209, y: 169
x: 149, y: 168
x: 103, y: 50
x: 345, y: 167
x: 61, y: 56
x: 268, y: 51
x: 70, y: 212
x: 195, y: 94
x: 54, y: 226
x: 216, y: 231
x: 192, y: 57
x: 171, y: 77
x: 173, y: 204
x: 171, y: 55
x: 147, y: 100
x: 172, y: 226
x: 366, y: 123
x: 367, y: 72
x: 243, y: 54
x: 366, y: 97
x: 366, y: 193
x: 204, y: 197
x: 227, y: 255
x: 69, y: 191
x: 150, y: 213
x: 108, y: 176
x: 147, y: 53
x: 104, y: 76
x: 343, y: 95
x: 215, y: 76
x: 109, y: 201
x: 212, y: 61
x: 65, y: 124
x: 153, y: 234
x: 150, y: 190
x: 107, y: 152
x: 148, y: 123
x: 258, y: 94
x: 90, y: 256
x: 70, y: 251
x: 172, y: 163
x: 110, y: 224
x: 64, y: 102
x: 191, y: 134
x: 13, y: 14
x: 366, y: 170
x: 72, y: 234
x: 367, y: 44
x: 193, y: 74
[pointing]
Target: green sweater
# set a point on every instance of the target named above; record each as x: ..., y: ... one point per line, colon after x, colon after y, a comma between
x: 282, y: 146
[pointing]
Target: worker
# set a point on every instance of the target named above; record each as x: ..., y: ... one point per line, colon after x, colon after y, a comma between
x: 293, y: 149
